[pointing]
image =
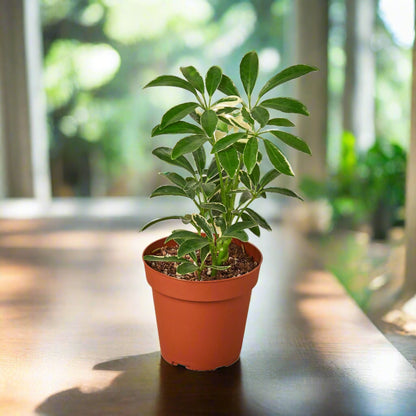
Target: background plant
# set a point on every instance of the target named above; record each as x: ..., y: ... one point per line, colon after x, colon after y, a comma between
x: 231, y: 129
x: 367, y: 188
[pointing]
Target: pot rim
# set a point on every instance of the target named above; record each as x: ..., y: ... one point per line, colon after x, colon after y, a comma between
x: 229, y: 279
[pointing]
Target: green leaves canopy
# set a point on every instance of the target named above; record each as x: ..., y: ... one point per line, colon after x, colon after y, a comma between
x: 227, y: 129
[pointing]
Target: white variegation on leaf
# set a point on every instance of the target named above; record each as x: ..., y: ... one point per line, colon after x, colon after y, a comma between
x: 218, y: 134
x: 238, y: 121
x: 230, y: 101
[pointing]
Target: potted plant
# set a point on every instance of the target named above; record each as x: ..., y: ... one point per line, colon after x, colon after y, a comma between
x: 202, y: 279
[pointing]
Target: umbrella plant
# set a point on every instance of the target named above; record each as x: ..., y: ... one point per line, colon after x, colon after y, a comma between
x: 221, y: 156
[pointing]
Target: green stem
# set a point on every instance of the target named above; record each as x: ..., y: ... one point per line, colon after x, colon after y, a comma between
x: 234, y: 186
x: 217, y: 161
x: 241, y: 210
x: 197, y: 204
x: 223, y: 251
x: 205, y: 102
x: 200, y: 101
x: 213, y: 250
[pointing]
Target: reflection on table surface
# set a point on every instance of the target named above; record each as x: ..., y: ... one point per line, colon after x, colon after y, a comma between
x: 79, y: 335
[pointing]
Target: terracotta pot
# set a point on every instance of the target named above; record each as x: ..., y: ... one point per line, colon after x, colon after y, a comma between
x: 201, y: 324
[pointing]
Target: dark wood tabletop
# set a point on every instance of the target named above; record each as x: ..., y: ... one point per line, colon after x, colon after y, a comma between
x: 79, y: 338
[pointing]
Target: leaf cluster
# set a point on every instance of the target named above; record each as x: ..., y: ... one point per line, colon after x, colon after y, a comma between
x: 221, y: 154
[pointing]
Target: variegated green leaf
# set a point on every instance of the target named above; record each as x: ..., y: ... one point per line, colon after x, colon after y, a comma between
x: 177, y: 128
x: 194, y: 77
x: 261, y: 115
x: 165, y: 154
x: 188, y: 145
x: 287, y: 74
x: 186, y: 268
x: 258, y: 219
x: 292, y: 141
x: 284, y: 122
x: 209, y: 122
x: 229, y: 161
x: 249, y: 68
x: 175, y: 178
x: 170, y: 81
x: 283, y: 191
x: 213, y: 79
x: 170, y: 259
x: 250, y: 153
x: 226, y: 142
x: 191, y: 245
x: 286, y: 105
x: 157, y: 220
x: 227, y: 86
x: 166, y: 190
x: 177, y: 113
x: 277, y: 158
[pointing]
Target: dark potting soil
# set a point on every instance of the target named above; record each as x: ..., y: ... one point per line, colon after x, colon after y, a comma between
x: 239, y: 261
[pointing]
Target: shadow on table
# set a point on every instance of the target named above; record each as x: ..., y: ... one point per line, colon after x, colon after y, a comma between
x: 263, y: 383
x: 150, y: 386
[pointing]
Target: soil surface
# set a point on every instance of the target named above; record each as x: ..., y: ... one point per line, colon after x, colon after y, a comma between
x: 239, y: 261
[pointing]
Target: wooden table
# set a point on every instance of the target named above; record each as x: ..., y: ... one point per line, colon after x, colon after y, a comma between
x: 79, y: 338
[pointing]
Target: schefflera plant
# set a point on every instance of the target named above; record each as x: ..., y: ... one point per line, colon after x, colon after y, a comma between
x: 221, y: 156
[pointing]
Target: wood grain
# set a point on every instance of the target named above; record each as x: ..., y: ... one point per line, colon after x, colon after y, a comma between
x: 78, y: 334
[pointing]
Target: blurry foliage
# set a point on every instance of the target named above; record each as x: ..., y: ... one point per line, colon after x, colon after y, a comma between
x: 100, y: 53
x: 336, y: 77
x: 393, y: 85
x: 367, y: 187
x: 393, y: 82
x: 348, y: 256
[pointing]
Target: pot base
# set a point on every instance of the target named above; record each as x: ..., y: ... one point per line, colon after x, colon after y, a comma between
x: 175, y: 364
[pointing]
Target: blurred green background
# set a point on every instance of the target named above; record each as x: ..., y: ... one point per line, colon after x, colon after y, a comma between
x: 98, y: 54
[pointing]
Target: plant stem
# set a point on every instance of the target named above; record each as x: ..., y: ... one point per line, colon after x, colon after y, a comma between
x: 234, y: 186
x: 241, y: 210
x: 213, y: 250
x: 217, y: 161
x: 205, y: 102
x: 200, y: 101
